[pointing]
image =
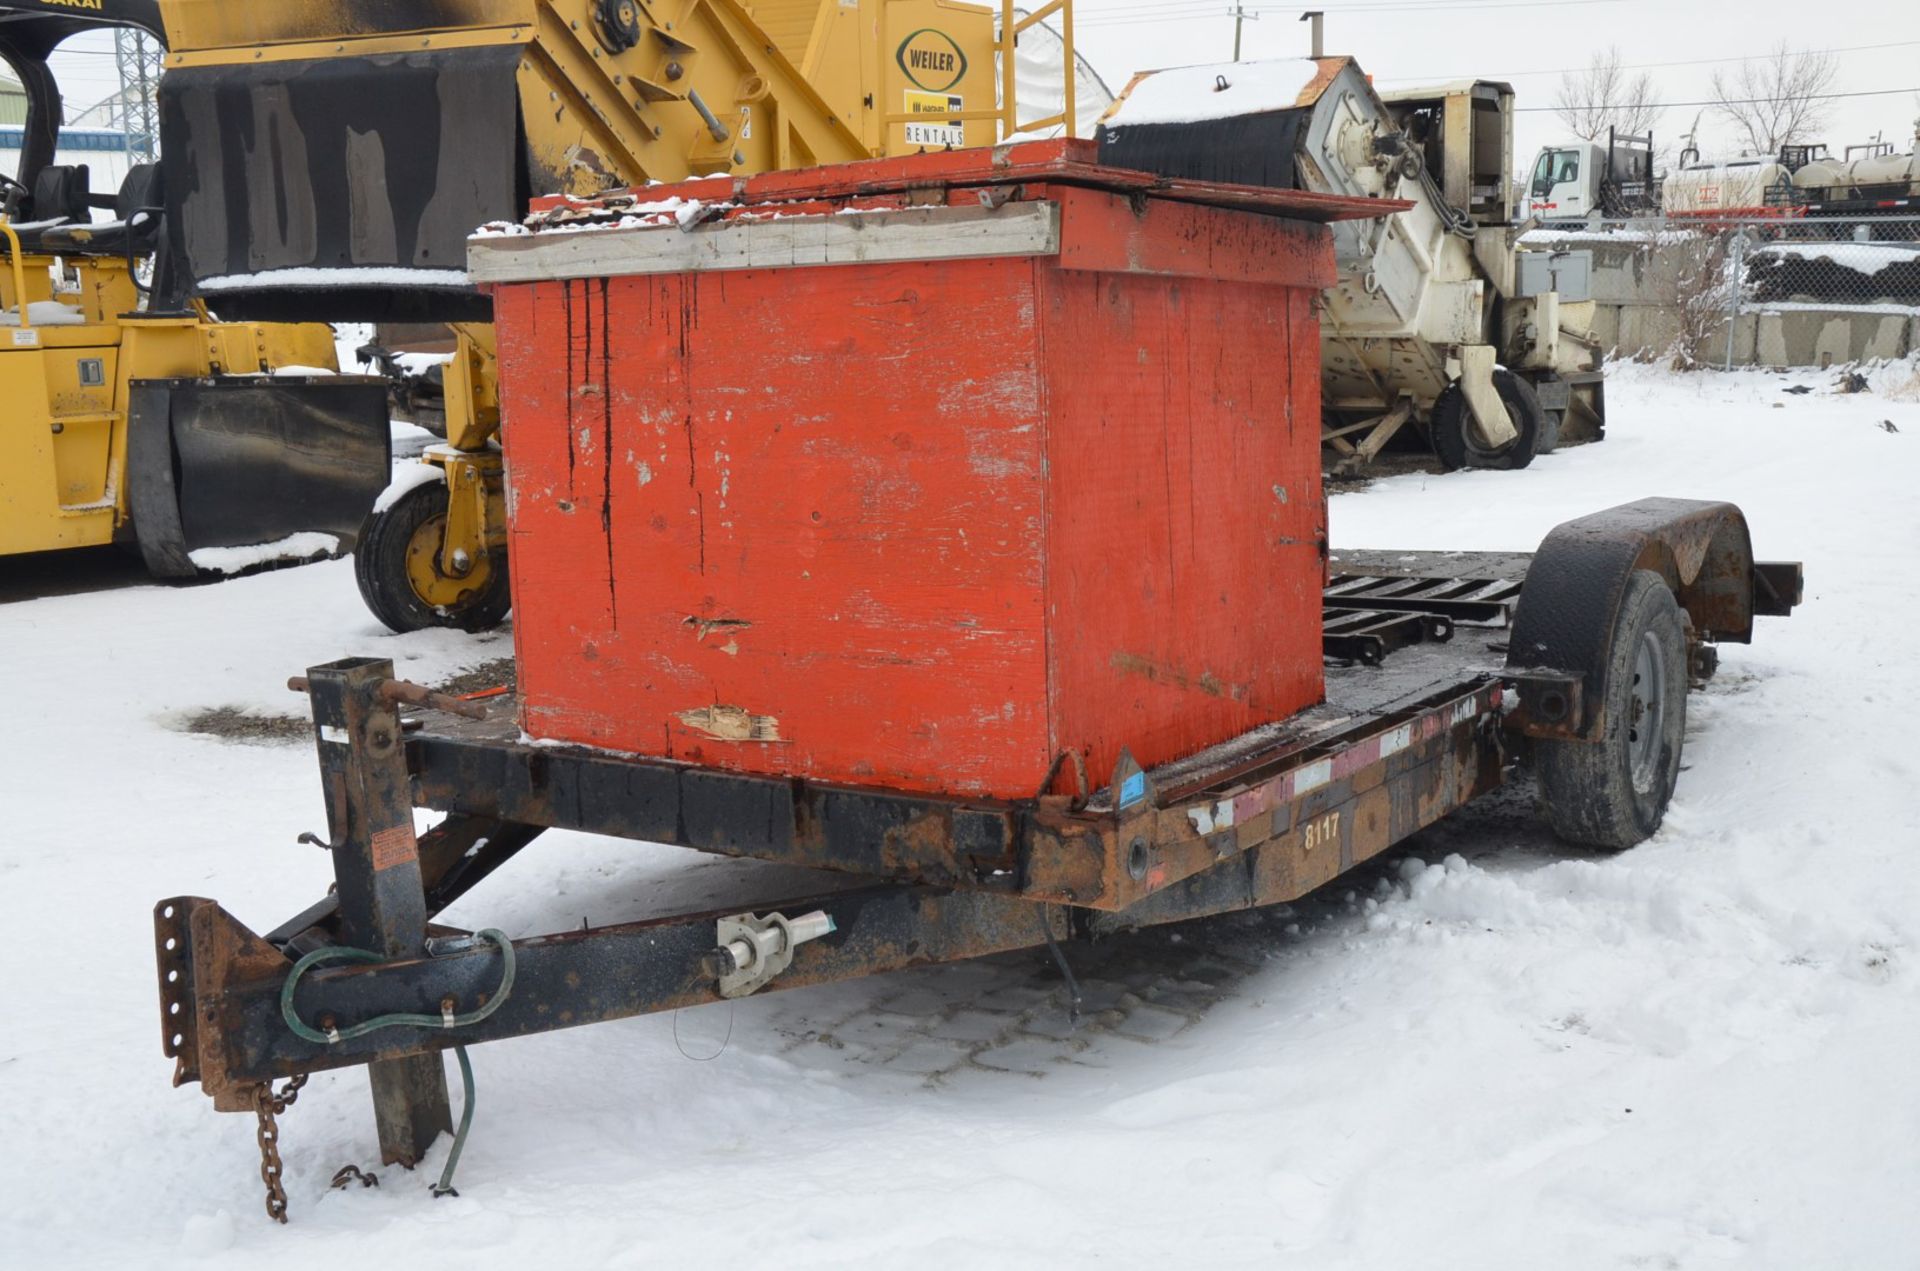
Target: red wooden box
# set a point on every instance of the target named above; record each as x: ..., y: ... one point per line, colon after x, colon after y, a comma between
x: 864, y: 484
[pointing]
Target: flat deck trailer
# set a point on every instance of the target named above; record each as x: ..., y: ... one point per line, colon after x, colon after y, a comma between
x: 1434, y: 677
x: 1427, y: 709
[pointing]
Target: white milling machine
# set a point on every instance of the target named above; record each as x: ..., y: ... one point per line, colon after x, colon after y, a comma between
x: 1438, y: 318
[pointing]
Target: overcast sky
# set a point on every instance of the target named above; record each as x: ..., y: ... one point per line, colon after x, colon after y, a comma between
x: 1529, y: 44
x: 1408, y: 42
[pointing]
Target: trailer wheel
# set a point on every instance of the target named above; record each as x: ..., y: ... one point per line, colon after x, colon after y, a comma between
x: 1451, y: 426
x: 1612, y: 792
x: 397, y: 565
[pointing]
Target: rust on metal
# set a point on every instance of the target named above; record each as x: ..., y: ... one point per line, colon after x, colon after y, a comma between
x: 587, y: 976
x: 419, y: 696
x: 1570, y: 599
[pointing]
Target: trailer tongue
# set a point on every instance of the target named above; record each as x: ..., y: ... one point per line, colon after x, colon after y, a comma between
x: 1007, y: 452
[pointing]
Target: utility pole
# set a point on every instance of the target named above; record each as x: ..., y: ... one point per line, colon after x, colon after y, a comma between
x: 1240, y: 15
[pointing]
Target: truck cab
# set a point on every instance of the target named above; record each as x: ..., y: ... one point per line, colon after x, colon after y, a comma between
x: 1561, y: 184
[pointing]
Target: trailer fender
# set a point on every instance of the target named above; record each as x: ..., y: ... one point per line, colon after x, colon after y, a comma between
x: 1570, y: 600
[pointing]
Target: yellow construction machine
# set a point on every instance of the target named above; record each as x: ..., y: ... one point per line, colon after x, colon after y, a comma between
x: 131, y: 416
x: 335, y: 155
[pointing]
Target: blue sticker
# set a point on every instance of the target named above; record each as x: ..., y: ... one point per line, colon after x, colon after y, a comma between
x: 1133, y: 789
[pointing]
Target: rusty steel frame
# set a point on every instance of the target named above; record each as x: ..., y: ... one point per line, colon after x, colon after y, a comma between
x: 1260, y: 836
x: 1040, y: 850
x: 1273, y: 838
x: 1367, y: 633
x: 932, y: 878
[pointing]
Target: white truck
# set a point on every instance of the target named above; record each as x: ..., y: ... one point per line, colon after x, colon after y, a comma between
x: 1573, y: 181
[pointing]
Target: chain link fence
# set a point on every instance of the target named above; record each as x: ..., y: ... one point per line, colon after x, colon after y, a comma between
x: 1774, y: 291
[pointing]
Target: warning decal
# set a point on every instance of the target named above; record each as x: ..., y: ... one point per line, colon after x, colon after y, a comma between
x: 394, y: 846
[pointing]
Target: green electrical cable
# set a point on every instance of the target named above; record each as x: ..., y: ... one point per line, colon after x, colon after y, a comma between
x: 398, y: 1019
x: 445, y: 1186
x: 406, y: 1019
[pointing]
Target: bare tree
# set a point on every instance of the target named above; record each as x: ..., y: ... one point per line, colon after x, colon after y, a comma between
x: 1776, y: 99
x: 1696, y: 277
x: 1605, y: 96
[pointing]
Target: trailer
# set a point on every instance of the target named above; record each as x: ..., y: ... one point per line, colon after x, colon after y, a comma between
x: 1396, y: 688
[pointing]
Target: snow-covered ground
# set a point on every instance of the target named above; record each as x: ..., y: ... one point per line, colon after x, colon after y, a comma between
x: 1486, y: 1053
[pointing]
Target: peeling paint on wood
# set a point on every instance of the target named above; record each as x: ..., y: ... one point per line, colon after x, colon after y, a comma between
x: 731, y: 723
x: 1162, y: 673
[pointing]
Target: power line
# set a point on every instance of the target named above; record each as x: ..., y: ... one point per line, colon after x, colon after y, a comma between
x: 1176, y: 12
x: 1107, y: 12
x: 1651, y: 66
x: 1744, y: 101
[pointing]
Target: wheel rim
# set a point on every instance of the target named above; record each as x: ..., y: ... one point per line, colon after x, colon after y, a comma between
x: 435, y: 588
x: 1647, y: 712
x: 1482, y: 455
x: 1476, y: 440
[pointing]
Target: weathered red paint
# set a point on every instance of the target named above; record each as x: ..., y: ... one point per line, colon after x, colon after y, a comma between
x: 926, y: 525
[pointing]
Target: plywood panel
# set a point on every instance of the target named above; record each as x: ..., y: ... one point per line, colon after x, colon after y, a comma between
x: 815, y: 547
x: 1185, y: 515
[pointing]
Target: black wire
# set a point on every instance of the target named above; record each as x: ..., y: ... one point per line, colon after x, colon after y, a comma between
x: 703, y: 1059
x: 1066, y: 972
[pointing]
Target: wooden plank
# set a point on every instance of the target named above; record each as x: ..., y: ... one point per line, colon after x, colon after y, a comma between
x: 934, y: 233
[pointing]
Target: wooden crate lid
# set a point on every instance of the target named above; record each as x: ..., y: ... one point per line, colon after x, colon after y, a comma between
x: 1059, y: 162
x: 958, y: 199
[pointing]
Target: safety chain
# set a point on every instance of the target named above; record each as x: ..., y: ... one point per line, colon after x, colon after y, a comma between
x: 268, y: 1105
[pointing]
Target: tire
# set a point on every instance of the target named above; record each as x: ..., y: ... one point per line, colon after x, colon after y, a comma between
x: 1613, y: 791
x: 1453, y: 439
x: 380, y: 567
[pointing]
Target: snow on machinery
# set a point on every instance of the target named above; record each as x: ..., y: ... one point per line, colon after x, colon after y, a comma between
x: 1438, y: 318
x: 133, y: 417
x: 341, y: 151
x: 1063, y: 466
